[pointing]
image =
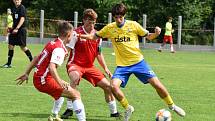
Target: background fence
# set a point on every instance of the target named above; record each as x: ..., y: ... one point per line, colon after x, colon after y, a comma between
x: 41, y: 30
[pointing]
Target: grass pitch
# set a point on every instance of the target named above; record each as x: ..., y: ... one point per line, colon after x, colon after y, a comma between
x: 189, y: 77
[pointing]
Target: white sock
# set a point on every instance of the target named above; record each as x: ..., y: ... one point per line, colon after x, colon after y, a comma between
x: 112, y: 107
x: 79, y: 110
x: 69, y: 104
x: 57, y: 105
x: 171, y: 47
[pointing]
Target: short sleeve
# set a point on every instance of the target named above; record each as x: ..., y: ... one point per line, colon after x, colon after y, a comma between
x: 103, y: 33
x: 58, y: 55
x: 22, y: 11
x: 73, y: 41
x: 140, y: 30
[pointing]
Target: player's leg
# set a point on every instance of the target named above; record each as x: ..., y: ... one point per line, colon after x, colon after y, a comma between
x: 146, y: 75
x: 171, y: 44
x: 52, y: 88
x: 69, y: 110
x: 163, y: 44
x: 163, y: 93
x: 10, y: 56
x: 55, y: 110
x: 78, y: 105
x: 27, y: 52
x: 109, y: 98
x: 115, y: 85
x: 97, y: 78
x: 120, y: 78
x: 22, y: 43
x: 74, y: 80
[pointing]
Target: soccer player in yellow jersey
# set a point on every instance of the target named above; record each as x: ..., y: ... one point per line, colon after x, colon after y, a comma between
x: 168, y: 36
x: 9, y: 23
x: 124, y: 36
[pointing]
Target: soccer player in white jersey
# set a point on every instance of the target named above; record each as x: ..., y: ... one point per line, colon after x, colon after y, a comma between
x: 46, y: 78
x: 129, y: 59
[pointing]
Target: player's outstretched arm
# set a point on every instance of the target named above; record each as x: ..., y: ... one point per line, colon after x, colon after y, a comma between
x: 88, y: 36
x: 24, y: 77
x: 152, y: 36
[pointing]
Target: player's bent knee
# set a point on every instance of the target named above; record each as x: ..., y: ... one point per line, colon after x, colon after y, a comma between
x: 71, y: 94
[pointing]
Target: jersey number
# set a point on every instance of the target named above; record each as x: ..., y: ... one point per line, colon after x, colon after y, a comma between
x: 43, y: 56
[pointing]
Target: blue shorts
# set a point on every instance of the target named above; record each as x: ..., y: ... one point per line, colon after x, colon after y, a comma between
x: 141, y: 70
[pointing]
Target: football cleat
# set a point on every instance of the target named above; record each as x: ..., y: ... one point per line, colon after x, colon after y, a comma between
x: 159, y: 50
x: 128, y: 113
x: 172, y: 51
x: 53, y: 117
x: 178, y: 110
x: 6, y: 66
x: 117, y: 114
x: 68, y: 113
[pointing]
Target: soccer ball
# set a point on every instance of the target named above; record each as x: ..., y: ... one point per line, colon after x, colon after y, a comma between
x: 163, y: 115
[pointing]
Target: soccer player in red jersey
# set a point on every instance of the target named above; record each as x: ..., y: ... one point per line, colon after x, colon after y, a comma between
x: 80, y: 63
x: 46, y: 78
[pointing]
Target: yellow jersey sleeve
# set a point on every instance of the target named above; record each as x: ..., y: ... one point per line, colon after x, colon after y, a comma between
x: 104, y: 32
x: 140, y: 30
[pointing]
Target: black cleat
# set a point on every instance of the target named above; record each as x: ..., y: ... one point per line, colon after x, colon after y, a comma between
x: 115, y: 114
x: 68, y: 113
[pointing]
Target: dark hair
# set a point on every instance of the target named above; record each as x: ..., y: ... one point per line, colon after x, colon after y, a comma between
x: 169, y: 17
x: 119, y: 9
x: 64, y: 28
x: 90, y: 13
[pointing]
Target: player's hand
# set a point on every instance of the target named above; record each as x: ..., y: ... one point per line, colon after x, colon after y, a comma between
x: 14, y: 31
x: 22, y: 79
x: 173, y: 30
x: 65, y: 85
x: 76, y: 35
x: 157, y: 30
x: 107, y: 71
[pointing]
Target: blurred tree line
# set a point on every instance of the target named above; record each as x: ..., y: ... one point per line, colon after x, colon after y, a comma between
x: 196, y: 14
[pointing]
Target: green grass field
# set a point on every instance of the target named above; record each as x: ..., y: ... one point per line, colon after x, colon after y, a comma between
x: 189, y: 77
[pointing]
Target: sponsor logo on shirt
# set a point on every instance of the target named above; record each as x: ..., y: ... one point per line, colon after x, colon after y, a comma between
x: 122, y: 39
x: 58, y: 58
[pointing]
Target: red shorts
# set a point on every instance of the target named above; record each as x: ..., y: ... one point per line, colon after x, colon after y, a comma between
x: 167, y: 39
x: 48, y: 86
x: 92, y: 74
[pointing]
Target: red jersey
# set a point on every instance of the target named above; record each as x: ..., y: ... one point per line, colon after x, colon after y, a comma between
x: 55, y: 52
x: 84, y: 51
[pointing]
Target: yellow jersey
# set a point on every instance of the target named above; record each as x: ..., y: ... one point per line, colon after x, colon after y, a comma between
x: 168, y: 31
x: 9, y: 21
x: 125, y: 41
